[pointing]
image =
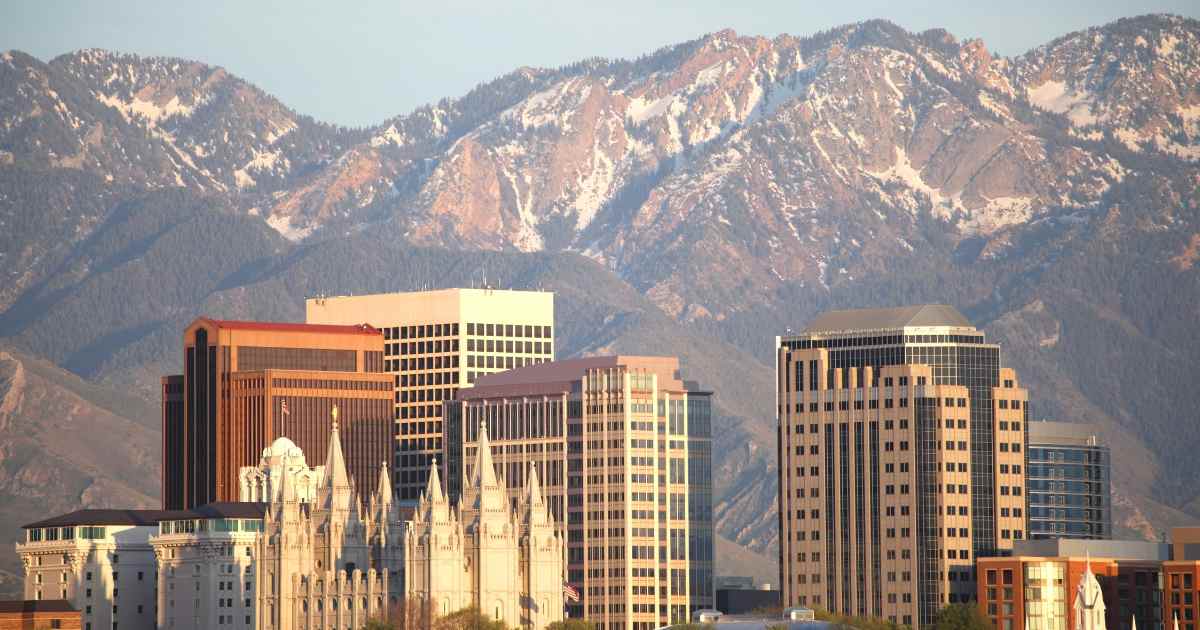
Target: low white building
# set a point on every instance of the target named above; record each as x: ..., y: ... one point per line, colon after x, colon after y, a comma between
x: 206, y: 566
x: 99, y: 560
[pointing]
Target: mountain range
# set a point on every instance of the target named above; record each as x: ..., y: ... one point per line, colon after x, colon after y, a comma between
x: 695, y: 201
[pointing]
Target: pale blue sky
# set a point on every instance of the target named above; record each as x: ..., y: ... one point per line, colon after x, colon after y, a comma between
x: 356, y: 62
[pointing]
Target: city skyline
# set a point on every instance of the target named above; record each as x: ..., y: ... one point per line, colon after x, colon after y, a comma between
x: 829, y: 307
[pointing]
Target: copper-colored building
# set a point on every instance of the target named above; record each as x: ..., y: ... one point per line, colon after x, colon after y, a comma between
x: 1034, y: 589
x: 623, y: 449
x: 46, y: 613
x: 247, y: 383
x: 901, y: 459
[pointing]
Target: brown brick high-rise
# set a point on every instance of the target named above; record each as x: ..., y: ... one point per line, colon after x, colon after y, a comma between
x: 247, y: 383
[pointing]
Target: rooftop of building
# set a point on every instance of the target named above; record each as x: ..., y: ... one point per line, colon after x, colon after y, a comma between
x: 1062, y: 433
x: 146, y: 518
x: 36, y: 606
x: 1135, y: 550
x: 432, y: 293
x: 759, y: 622
x: 225, y: 509
x: 559, y: 376
x: 324, y: 329
x: 874, y: 319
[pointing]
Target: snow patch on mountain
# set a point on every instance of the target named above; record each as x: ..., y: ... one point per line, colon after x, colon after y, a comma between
x: 554, y: 106
x: 527, y: 238
x: 262, y: 161
x: 1166, y: 46
x: 285, y: 227
x: 640, y: 110
x: 389, y: 136
x: 776, y: 96
x: 1055, y: 96
x: 998, y: 213
x: 279, y: 130
x: 148, y: 111
x: 1130, y: 138
x: 903, y: 171
x: 1168, y: 145
x: 594, y: 187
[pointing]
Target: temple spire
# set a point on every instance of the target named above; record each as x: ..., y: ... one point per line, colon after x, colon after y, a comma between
x: 534, y: 495
x: 485, y: 471
x: 337, y: 481
x: 433, y: 489
x: 383, y: 493
x: 287, y: 492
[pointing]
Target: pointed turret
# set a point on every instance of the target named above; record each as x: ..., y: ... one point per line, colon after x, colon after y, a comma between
x: 534, y: 493
x: 485, y: 471
x: 1089, y: 601
x: 434, y: 506
x: 289, y: 504
x: 382, y: 505
x: 383, y: 492
x: 336, y: 495
x: 433, y: 489
x: 533, y: 509
x: 487, y: 496
x: 287, y: 490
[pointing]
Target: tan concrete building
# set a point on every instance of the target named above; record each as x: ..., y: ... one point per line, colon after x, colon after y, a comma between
x: 436, y: 343
x: 901, y: 459
x: 623, y: 449
x: 247, y: 383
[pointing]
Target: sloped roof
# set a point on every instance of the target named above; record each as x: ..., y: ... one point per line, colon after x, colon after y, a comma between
x: 229, y: 509
x: 887, y: 318
x: 102, y: 517
x: 557, y: 376
x: 36, y: 605
x: 143, y: 518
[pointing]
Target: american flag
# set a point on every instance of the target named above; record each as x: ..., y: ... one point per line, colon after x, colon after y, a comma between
x: 570, y: 592
x: 283, y: 408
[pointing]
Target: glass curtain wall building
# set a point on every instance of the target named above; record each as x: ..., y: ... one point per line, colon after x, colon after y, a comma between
x: 1070, y: 491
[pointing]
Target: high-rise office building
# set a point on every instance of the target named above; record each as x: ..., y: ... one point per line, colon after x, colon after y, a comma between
x: 623, y: 448
x: 437, y: 342
x: 901, y: 456
x: 1068, y: 478
x: 247, y: 383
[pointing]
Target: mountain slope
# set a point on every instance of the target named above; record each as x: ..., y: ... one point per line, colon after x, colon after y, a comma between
x: 67, y: 444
